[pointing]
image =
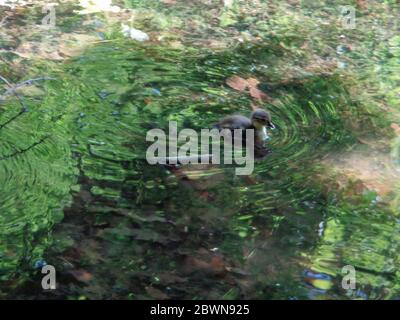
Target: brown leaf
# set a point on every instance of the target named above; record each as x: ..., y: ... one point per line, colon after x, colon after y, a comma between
x: 81, y: 275
x: 205, y: 195
x: 237, y: 83
x: 156, y: 294
x: 396, y: 128
x: 214, y: 267
x: 250, y: 180
x: 217, y: 265
x: 363, y: 4
x: 241, y: 84
x: 258, y: 94
x: 252, y: 82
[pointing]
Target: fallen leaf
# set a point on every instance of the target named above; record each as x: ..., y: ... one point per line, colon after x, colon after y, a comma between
x: 396, y: 128
x: 215, y: 267
x: 237, y: 83
x: 156, y: 294
x: 363, y: 4
x: 217, y: 264
x: 258, y: 94
x: 252, y: 82
x: 250, y: 180
x: 241, y: 84
x: 81, y: 275
x: 205, y: 195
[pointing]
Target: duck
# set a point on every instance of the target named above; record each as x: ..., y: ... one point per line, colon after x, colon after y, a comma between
x: 260, y: 120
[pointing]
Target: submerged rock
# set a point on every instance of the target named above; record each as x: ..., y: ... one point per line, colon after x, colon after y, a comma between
x: 134, y: 34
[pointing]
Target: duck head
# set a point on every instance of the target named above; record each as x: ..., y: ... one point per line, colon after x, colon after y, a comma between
x: 261, y: 119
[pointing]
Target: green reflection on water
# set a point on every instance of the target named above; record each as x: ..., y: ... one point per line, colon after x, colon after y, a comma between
x: 128, y: 221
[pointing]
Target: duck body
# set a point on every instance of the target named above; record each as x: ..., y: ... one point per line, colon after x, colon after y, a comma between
x: 235, y: 122
x: 259, y: 121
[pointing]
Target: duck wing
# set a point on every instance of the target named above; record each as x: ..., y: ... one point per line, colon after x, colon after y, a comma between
x: 234, y: 122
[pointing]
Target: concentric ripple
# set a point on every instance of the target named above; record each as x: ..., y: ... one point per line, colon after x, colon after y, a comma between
x: 135, y: 216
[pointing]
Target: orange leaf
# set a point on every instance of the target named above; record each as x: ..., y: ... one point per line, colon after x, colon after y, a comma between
x: 204, y: 195
x: 258, y: 94
x: 217, y: 265
x: 237, y: 83
x: 82, y: 275
x: 253, y: 82
x: 214, y: 267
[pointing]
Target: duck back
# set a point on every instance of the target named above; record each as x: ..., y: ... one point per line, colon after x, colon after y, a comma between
x: 234, y: 122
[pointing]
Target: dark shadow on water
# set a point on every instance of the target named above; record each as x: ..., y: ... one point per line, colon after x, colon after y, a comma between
x: 138, y: 231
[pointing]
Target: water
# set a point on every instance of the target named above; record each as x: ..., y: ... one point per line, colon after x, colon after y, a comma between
x: 78, y: 193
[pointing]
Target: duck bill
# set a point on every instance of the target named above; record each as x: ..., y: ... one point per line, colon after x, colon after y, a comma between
x: 271, y: 126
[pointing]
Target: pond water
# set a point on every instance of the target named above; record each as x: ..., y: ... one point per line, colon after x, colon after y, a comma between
x: 78, y: 193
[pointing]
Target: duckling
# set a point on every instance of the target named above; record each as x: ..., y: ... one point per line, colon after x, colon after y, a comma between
x: 259, y: 120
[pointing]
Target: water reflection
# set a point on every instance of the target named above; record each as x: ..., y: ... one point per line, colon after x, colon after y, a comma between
x: 132, y: 230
